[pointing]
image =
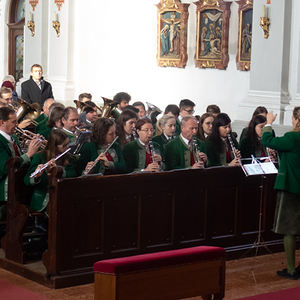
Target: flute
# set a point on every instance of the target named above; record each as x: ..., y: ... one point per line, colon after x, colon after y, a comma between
x: 47, y: 164
x: 87, y: 171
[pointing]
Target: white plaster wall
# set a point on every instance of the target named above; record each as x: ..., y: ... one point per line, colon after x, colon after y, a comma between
x: 115, y: 50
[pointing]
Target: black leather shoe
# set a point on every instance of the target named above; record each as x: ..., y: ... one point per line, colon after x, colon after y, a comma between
x: 285, y: 274
x: 297, y: 269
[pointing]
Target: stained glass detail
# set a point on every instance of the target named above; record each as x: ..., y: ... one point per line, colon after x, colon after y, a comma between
x: 21, y: 10
x: 19, y: 57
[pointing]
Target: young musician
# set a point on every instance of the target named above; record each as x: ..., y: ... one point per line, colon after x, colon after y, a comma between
x: 111, y: 162
x: 58, y: 143
x: 205, y: 126
x: 260, y: 110
x: 218, y: 147
x: 125, y: 126
x: 9, y: 145
x: 181, y: 152
x: 137, y: 154
x: 251, y: 143
x: 287, y: 184
x: 165, y: 131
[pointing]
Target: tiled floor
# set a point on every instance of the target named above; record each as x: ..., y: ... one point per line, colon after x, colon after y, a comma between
x: 245, y: 277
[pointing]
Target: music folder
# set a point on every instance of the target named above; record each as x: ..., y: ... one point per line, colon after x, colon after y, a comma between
x: 258, y: 166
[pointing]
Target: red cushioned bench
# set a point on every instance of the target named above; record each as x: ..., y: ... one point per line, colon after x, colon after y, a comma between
x: 176, y: 274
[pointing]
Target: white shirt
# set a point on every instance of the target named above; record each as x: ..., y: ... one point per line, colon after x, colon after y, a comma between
x: 7, y: 136
x: 185, y: 140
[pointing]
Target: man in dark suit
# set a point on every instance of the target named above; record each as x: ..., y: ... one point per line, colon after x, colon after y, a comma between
x: 9, y: 145
x: 36, y: 89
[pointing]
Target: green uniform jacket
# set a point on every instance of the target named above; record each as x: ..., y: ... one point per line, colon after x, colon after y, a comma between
x: 7, y: 151
x: 41, y: 186
x: 162, y: 141
x: 71, y: 136
x: 46, y: 132
x: 42, y: 124
x: 90, y: 151
x: 288, y: 146
x: 215, y: 157
x: 178, y: 128
x: 178, y: 155
x: 135, y: 155
x: 247, y: 149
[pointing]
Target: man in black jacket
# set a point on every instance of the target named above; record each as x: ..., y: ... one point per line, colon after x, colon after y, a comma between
x: 36, y: 89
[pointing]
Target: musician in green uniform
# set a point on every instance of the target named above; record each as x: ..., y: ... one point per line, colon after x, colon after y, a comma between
x: 111, y: 161
x: 181, y: 153
x: 44, y: 116
x: 165, y: 132
x: 219, y: 150
x: 123, y: 100
x: 138, y: 154
x: 58, y: 142
x: 186, y: 107
x: 287, y: 184
x: 70, y: 122
x: 9, y: 146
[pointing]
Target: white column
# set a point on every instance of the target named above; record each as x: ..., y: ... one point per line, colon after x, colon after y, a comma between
x: 295, y: 65
x: 270, y: 61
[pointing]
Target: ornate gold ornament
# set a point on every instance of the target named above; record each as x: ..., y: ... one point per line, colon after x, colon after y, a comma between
x: 56, y: 26
x: 169, y: 64
x: 208, y: 64
x: 30, y: 25
x: 264, y: 24
x: 169, y: 4
x: 211, y: 2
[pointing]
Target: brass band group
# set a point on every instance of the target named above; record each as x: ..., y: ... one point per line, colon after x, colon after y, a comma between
x: 120, y: 138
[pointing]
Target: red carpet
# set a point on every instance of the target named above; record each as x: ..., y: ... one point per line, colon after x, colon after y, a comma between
x: 289, y: 294
x: 9, y: 291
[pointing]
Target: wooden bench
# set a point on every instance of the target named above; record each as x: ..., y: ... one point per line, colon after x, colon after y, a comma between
x: 176, y: 274
x: 17, y: 243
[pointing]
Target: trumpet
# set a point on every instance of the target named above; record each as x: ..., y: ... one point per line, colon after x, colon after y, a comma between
x: 87, y: 171
x: 48, y: 163
x: 29, y: 136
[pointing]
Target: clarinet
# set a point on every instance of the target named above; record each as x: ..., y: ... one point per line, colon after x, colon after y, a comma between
x: 152, y: 151
x: 87, y: 171
x: 196, y: 148
x: 134, y: 134
x: 233, y: 149
x: 47, y: 164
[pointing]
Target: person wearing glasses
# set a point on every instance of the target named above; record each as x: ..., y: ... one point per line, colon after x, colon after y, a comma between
x: 138, y: 155
x: 58, y: 143
x: 186, y: 107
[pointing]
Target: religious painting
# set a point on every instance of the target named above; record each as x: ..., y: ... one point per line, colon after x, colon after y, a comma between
x: 172, y: 33
x: 243, y: 58
x: 212, y: 34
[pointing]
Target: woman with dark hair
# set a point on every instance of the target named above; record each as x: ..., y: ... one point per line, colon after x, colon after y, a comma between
x: 287, y: 184
x: 112, y: 162
x: 137, y: 154
x: 260, y: 110
x: 58, y: 143
x: 205, y: 126
x: 125, y: 127
x: 251, y: 143
x: 218, y: 148
x: 165, y: 131
x: 54, y: 121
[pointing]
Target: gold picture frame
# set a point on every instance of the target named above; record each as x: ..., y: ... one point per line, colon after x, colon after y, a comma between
x: 212, y: 34
x: 172, y: 22
x: 243, y: 57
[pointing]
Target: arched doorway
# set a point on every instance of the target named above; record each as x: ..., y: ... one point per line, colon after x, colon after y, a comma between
x: 16, y: 38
